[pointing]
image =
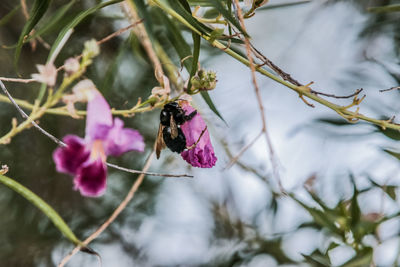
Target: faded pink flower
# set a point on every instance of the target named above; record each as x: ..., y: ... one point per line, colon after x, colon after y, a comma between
x: 47, y: 74
x: 71, y: 65
x: 85, y: 159
x: 202, y: 155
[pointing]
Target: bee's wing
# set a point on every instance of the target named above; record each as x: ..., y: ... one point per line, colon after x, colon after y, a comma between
x: 160, y: 141
x: 174, y: 128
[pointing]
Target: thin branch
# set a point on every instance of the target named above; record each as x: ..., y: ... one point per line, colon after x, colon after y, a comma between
x: 119, y: 32
x: 390, y: 89
x: 25, y: 116
x: 244, y: 149
x: 357, y: 92
x: 147, y: 173
x: 285, y: 76
x: 108, y: 38
x: 17, y: 80
x: 114, y: 215
x: 144, y: 38
x: 62, y: 144
x: 259, y: 99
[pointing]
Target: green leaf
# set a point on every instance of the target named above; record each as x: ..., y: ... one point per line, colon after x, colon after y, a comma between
x: 388, y: 189
x: 178, y: 42
x: 384, y: 9
x: 4, y: 20
x: 52, y: 22
x: 337, y: 122
x: 112, y: 71
x: 317, y: 259
x: 37, y: 12
x: 355, y: 207
x: 187, y: 15
x: 320, y: 217
x: 228, y: 15
x: 362, y: 258
x: 81, y: 16
x: 391, y: 191
x: 43, y: 206
x: 211, y: 105
x: 393, y: 153
x: 391, y: 133
x: 268, y: 7
x: 195, y: 59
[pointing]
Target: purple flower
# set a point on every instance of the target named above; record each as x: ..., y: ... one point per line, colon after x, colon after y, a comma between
x: 85, y: 159
x: 202, y: 155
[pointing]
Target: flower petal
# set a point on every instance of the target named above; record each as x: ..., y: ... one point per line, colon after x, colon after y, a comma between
x: 98, y: 115
x: 121, y: 140
x: 202, y: 155
x: 69, y: 159
x: 91, y: 178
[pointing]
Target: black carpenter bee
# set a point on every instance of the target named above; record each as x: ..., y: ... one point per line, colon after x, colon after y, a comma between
x: 172, y: 116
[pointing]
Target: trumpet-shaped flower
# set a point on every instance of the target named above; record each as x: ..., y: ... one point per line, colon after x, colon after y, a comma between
x: 85, y: 159
x: 202, y: 154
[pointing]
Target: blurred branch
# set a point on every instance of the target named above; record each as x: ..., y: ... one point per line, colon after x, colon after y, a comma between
x: 274, y: 161
x: 143, y: 36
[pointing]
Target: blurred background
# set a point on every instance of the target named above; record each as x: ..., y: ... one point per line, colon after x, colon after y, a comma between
x: 348, y: 214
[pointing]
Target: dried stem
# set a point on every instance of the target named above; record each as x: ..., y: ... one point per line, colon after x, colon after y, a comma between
x: 141, y: 33
x: 259, y: 99
x: 244, y: 149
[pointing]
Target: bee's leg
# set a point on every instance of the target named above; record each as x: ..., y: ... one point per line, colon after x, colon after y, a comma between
x: 190, y: 116
x: 198, y: 140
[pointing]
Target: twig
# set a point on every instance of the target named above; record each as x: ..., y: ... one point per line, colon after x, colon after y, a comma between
x: 17, y: 80
x: 357, y: 92
x: 119, y: 32
x: 147, y: 173
x: 109, y: 37
x: 390, y: 89
x: 285, y: 76
x: 141, y: 33
x: 25, y: 116
x: 62, y: 144
x: 114, y: 215
x: 235, y: 158
x: 259, y: 99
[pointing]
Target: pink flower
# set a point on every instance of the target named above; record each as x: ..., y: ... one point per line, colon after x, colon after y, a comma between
x: 85, y: 159
x: 47, y: 74
x: 202, y: 155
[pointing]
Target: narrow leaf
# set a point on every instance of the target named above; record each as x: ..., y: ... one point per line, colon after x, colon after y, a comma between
x: 228, y: 15
x: 384, y: 9
x: 178, y: 42
x: 81, y: 16
x: 10, y: 14
x: 52, y: 22
x: 195, y: 60
x: 362, y: 258
x: 210, y: 103
x: 37, y: 12
x: 187, y: 15
x: 393, y: 153
x: 268, y: 7
x: 43, y: 206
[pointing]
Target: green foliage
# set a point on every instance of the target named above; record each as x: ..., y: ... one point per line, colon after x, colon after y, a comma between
x: 37, y: 12
x: 42, y: 205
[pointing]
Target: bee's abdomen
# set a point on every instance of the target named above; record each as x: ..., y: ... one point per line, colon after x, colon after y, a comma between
x: 177, y: 144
